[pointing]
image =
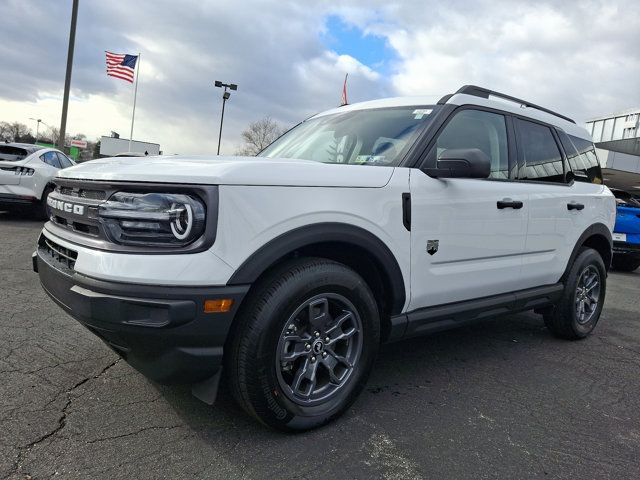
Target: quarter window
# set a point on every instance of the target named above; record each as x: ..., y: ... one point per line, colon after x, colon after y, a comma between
x: 582, y: 158
x: 541, y: 159
x: 485, y: 131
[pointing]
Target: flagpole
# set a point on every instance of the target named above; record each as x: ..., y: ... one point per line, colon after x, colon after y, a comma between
x: 135, y: 95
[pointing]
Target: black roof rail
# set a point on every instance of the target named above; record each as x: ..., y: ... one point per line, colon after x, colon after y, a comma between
x: 486, y: 93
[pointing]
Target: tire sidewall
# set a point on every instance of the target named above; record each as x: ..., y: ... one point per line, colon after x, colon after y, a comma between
x: 278, y: 410
x: 586, y: 258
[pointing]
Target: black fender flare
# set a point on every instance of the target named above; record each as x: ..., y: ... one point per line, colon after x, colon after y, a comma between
x: 316, y: 233
x: 595, y: 229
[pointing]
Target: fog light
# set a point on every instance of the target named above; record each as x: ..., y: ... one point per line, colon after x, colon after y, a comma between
x: 218, y: 306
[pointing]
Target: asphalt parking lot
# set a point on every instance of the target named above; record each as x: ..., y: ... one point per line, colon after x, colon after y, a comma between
x: 502, y: 399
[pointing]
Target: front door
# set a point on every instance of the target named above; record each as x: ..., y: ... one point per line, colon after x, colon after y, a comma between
x: 467, y: 235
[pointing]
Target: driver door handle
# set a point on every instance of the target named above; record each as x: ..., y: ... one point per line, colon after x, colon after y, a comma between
x: 574, y: 206
x: 508, y: 203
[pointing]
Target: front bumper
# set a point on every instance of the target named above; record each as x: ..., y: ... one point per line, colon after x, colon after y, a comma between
x: 162, y: 331
x: 626, y: 248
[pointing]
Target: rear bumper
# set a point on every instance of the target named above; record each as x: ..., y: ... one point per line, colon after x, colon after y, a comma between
x: 13, y: 200
x: 625, y: 248
x: 162, y: 331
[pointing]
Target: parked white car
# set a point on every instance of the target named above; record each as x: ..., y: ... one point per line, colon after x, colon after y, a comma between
x: 26, y: 173
x: 364, y: 224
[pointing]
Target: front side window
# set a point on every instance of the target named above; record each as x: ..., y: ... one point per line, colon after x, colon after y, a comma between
x: 380, y: 136
x: 485, y: 131
x: 541, y: 159
x: 50, y: 158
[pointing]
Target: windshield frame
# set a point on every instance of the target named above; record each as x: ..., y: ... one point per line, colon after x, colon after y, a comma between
x: 412, y: 139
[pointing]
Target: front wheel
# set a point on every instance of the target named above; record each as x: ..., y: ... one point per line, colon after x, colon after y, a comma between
x: 304, y: 345
x: 578, y: 311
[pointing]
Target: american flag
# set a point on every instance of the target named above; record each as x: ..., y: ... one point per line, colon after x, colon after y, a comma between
x: 121, y: 65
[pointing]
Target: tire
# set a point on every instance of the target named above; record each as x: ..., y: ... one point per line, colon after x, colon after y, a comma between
x: 42, y: 209
x: 565, y: 320
x: 625, y: 263
x: 279, y: 369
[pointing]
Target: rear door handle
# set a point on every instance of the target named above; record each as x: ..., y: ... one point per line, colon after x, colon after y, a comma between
x: 575, y: 206
x: 508, y: 203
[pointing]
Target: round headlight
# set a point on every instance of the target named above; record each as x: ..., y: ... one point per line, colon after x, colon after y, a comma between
x: 153, y: 219
x: 182, y: 224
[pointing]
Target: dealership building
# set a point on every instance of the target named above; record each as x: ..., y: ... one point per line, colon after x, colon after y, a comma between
x: 617, y: 139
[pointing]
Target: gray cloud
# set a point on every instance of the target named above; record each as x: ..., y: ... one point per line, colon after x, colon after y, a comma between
x: 577, y: 57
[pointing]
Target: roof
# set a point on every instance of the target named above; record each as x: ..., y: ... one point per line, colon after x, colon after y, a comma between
x: 422, y: 101
x: 507, y: 104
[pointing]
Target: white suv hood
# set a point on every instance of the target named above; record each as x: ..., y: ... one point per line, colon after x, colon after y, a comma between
x: 230, y: 171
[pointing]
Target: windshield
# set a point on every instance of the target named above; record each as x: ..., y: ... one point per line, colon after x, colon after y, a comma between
x: 379, y: 136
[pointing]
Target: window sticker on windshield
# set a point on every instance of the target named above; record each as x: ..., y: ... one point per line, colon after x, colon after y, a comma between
x: 418, y: 113
x: 360, y: 159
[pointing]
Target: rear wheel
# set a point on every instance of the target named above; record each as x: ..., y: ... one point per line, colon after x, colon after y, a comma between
x: 304, y: 345
x: 625, y: 263
x: 578, y: 311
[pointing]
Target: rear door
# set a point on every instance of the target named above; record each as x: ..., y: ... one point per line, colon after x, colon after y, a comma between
x: 467, y: 235
x: 560, y: 208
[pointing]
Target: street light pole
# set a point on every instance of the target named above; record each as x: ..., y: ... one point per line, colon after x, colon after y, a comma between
x: 38, y: 120
x: 67, y: 79
x: 225, y: 97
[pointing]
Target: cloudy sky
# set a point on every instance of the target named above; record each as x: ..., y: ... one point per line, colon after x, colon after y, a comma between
x: 289, y: 59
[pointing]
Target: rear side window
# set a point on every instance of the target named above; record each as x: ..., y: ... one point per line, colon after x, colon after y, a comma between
x: 582, y: 157
x: 540, y: 157
x: 485, y: 131
x: 11, y: 154
x: 50, y: 158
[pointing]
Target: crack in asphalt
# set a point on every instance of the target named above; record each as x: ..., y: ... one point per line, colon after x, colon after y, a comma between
x: 136, y: 432
x: 62, y: 422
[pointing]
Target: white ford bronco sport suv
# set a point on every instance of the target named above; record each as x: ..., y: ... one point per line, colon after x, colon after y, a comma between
x: 364, y: 224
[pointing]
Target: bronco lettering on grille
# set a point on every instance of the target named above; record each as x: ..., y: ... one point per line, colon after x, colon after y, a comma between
x: 65, y: 206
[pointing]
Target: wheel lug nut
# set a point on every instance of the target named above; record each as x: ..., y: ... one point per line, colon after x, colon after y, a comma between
x: 307, y: 346
x: 327, y: 339
x: 317, y: 334
x: 324, y: 354
x: 313, y: 359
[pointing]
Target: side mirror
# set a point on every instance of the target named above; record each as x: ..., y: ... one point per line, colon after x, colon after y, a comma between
x: 461, y: 163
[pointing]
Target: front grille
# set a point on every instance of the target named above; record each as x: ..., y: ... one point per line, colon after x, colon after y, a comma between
x: 56, y: 252
x: 85, y: 197
x: 82, y: 193
x: 74, y: 214
x: 76, y: 226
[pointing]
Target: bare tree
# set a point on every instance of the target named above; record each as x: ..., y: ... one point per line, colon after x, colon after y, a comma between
x: 54, y: 136
x: 14, y: 132
x: 259, y: 135
x: 5, y: 132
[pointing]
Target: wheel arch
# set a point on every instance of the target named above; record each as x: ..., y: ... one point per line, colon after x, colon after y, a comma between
x: 598, y: 237
x: 353, y: 246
